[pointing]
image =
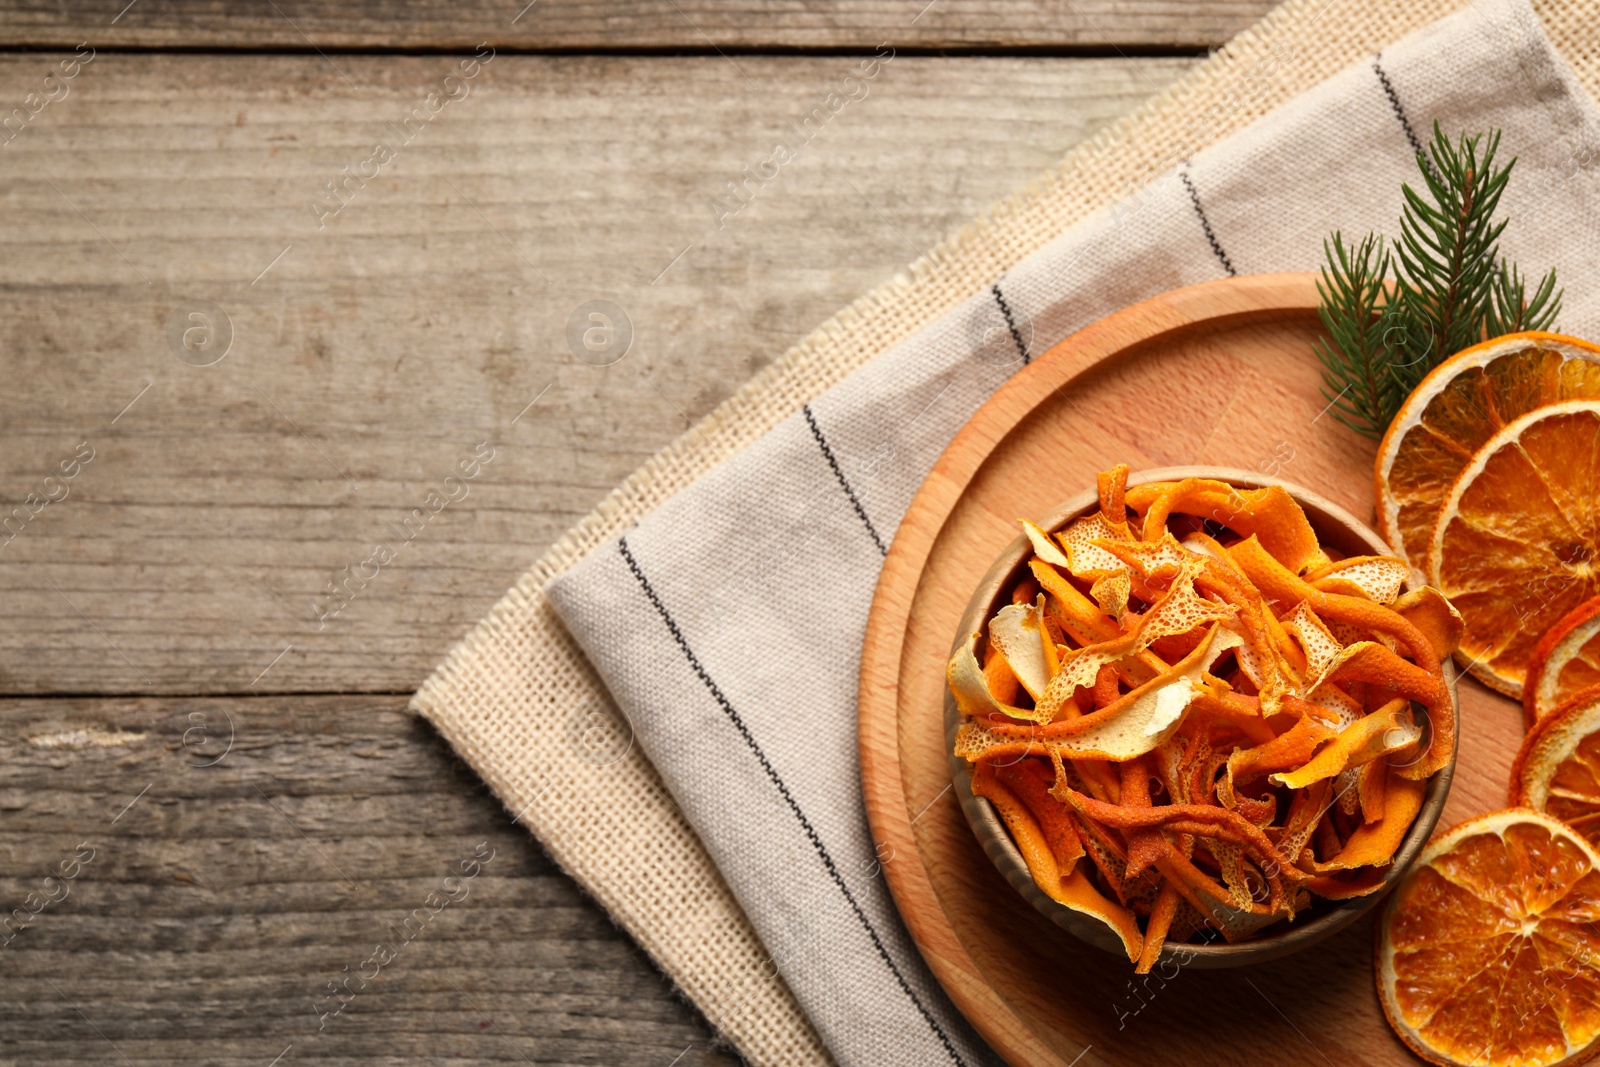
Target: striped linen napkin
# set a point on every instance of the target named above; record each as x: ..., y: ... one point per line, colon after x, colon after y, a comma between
x: 728, y: 623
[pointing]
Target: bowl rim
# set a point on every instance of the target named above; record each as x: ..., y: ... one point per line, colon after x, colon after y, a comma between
x: 996, y: 841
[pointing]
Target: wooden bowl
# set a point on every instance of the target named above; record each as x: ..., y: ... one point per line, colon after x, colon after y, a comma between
x: 1335, y: 527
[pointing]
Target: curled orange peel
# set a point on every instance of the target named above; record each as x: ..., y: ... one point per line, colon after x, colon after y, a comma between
x: 1112, y: 488
x: 1018, y: 632
x: 1030, y: 781
x: 999, y: 677
x: 1373, y: 844
x: 1161, y: 915
x: 1111, y: 592
x: 1133, y: 725
x: 1389, y: 729
x: 1180, y: 610
x: 1151, y: 560
x: 1268, y: 513
x: 1073, y: 890
x: 1335, y: 703
x: 1292, y: 748
x: 1372, y: 785
x: 1083, y: 621
x: 1241, y: 712
x: 1263, y: 656
x: 1227, y: 719
x: 970, y: 688
x: 1087, y: 543
x: 1334, y: 888
x: 1318, y: 645
x: 1044, y: 546
x: 1378, y: 578
x: 1434, y: 616
x: 1214, y: 902
x: 1278, y: 583
x: 1186, y: 818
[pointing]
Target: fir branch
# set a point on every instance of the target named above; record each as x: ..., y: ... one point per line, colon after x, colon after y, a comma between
x: 1512, y: 310
x: 1448, y: 251
x: 1351, y: 305
x: 1450, y: 288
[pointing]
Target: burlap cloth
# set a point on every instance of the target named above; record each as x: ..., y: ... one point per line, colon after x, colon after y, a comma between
x: 520, y: 703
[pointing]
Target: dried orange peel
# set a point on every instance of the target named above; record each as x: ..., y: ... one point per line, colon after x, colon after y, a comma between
x: 1194, y: 719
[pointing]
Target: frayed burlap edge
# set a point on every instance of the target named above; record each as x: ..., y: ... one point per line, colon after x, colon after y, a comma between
x: 519, y: 702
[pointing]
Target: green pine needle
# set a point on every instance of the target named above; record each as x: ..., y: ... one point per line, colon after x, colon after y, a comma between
x: 1352, y: 309
x: 1513, y: 311
x: 1393, y: 315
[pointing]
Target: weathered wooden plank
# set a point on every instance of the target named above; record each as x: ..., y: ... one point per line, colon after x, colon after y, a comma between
x: 204, y: 895
x: 206, y: 518
x: 586, y: 25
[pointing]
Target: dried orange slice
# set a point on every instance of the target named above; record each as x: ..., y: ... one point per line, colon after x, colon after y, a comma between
x: 1488, y: 954
x: 1517, y: 544
x: 1564, y: 661
x: 1557, y: 770
x: 1462, y: 403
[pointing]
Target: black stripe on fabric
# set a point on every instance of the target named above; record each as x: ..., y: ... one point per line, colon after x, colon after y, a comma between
x: 788, y: 797
x: 1011, y: 323
x: 838, y: 472
x: 1399, y: 111
x: 1205, y: 224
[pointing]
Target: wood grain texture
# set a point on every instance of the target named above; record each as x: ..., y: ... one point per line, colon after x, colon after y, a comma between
x: 584, y: 24
x: 370, y: 357
x: 371, y: 352
x: 226, y: 886
x: 1240, y: 389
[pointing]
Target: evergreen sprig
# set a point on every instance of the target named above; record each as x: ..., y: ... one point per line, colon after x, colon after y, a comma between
x: 1392, y: 315
x: 1354, y: 310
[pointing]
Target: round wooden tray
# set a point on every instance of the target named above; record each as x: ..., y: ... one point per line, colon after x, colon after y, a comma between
x: 1221, y: 374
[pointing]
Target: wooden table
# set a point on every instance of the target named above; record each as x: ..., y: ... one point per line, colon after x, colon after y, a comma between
x: 255, y: 377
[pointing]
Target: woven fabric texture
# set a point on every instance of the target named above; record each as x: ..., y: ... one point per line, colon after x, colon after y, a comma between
x: 526, y: 709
